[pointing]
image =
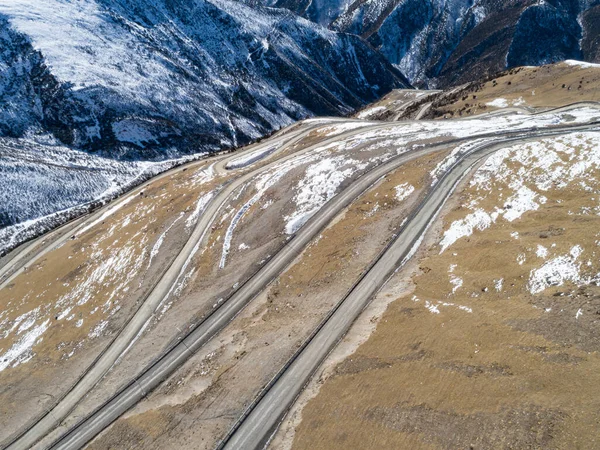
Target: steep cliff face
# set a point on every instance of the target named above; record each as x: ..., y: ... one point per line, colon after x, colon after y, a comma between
x: 445, y: 42
x: 510, y: 35
x: 482, y: 51
x: 590, y: 44
x: 150, y: 78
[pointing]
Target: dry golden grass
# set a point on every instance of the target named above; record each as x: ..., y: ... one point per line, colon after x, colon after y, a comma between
x: 519, y: 371
x: 87, y: 288
x: 535, y: 87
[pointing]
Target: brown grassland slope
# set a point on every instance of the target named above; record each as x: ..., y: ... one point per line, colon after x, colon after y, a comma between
x: 534, y: 88
x: 495, y: 342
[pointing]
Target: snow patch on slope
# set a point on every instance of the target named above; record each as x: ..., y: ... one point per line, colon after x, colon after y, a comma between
x: 479, y: 220
x: 498, y: 103
x: 541, y: 165
x: 251, y: 158
x: 404, y: 191
x: 22, y: 350
x: 582, y: 64
x: 319, y: 184
x: 365, y: 114
x: 556, y: 272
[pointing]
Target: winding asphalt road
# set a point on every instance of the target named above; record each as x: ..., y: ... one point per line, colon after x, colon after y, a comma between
x: 198, y: 337
x: 28, y: 253
x: 162, y: 368
x: 230, y: 308
x: 41, y: 426
x: 263, y: 417
x: 44, y: 424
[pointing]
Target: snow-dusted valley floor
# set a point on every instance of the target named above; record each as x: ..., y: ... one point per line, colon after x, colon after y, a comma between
x: 45, y: 185
x: 489, y: 330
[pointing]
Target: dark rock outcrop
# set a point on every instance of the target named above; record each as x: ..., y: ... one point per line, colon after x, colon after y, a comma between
x: 439, y: 43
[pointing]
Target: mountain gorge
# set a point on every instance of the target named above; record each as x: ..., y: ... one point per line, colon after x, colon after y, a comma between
x: 134, y: 79
x: 439, y: 43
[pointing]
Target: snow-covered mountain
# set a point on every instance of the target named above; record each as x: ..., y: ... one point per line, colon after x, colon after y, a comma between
x: 138, y: 78
x: 446, y: 42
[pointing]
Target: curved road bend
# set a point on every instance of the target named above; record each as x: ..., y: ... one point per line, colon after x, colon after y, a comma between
x: 261, y: 420
x: 28, y: 253
x: 42, y: 425
x: 162, y: 368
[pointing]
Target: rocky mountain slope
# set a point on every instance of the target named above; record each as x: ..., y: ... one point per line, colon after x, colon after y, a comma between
x: 44, y: 185
x: 133, y: 80
x: 149, y: 78
x: 441, y: 43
